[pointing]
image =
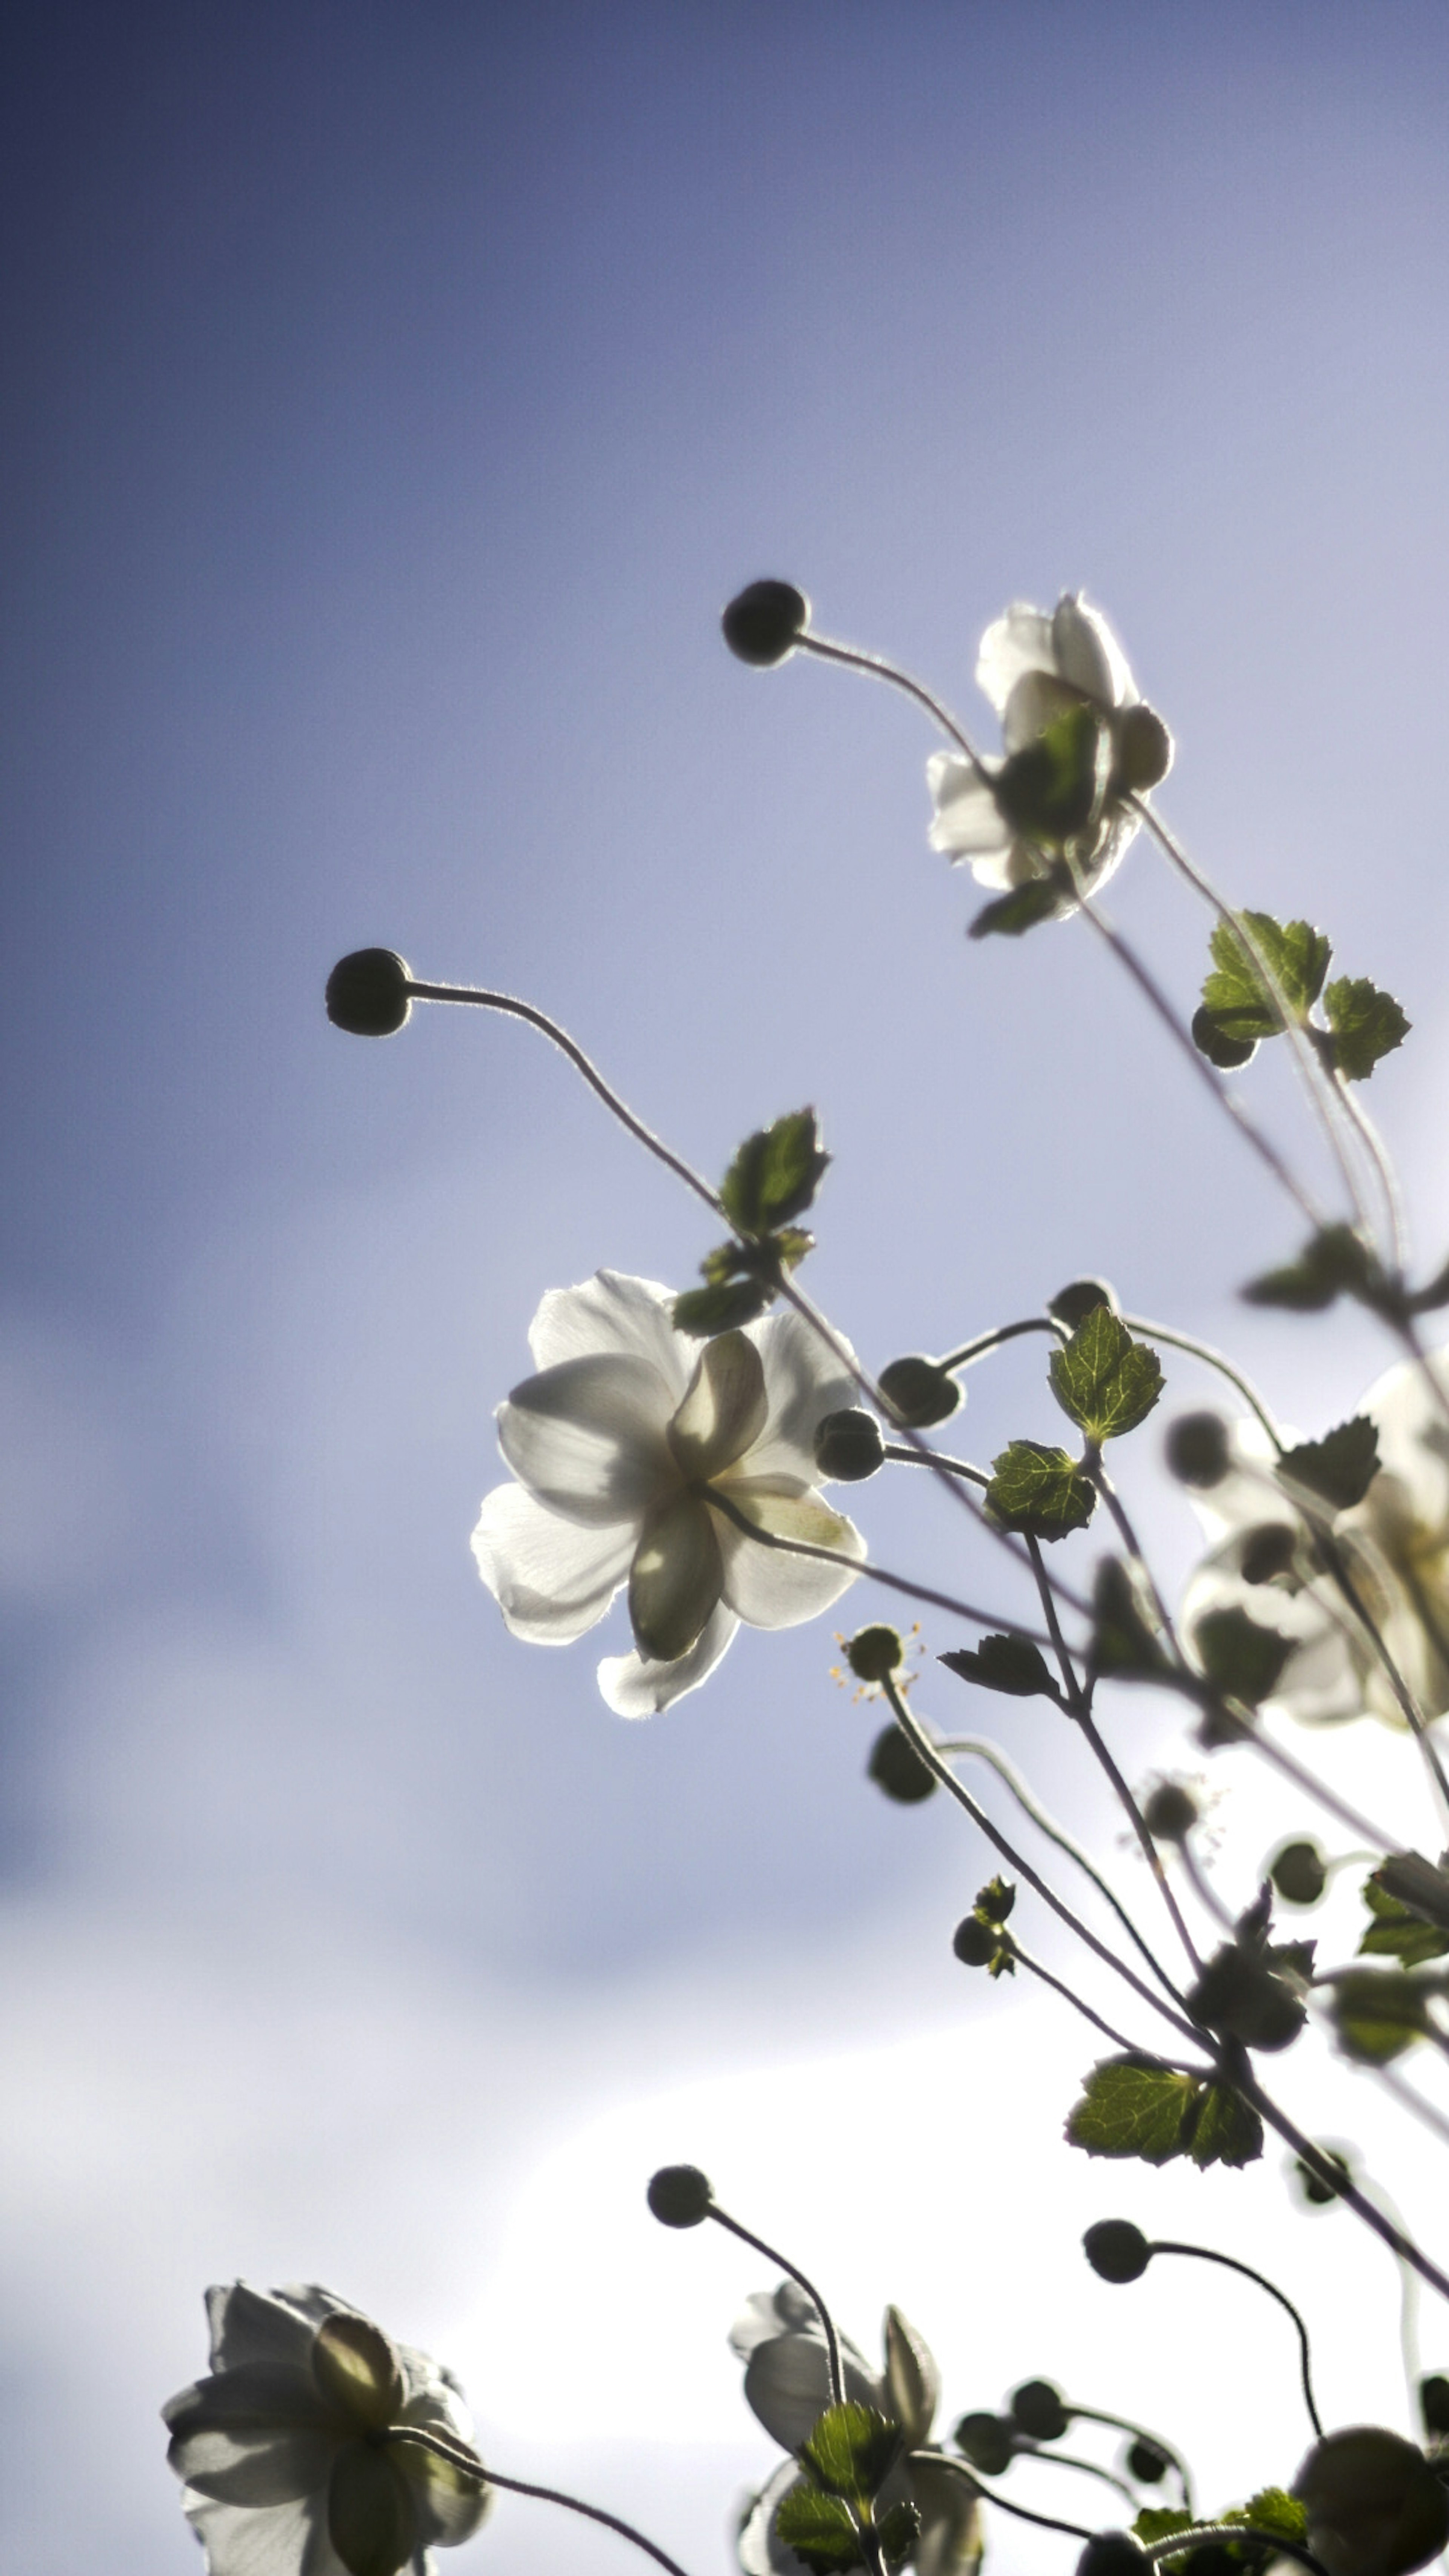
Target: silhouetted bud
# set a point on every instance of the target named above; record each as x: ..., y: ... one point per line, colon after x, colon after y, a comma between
x: 1081, y: 1298
x: 1143, y: 749
x: 1317, y: 2190
x: 1116, y: 2250
x: 1197, y: 1449
x: 1113, y: 2553
x: 1037, y: 2410
x: 1169, y: 1812
x: 919, y: 1391
x: 1146, y: 2463
x: 1434, y: 2402
x: 1374, y: 2505
x: 765, y: 622
x: 1299, y: 1872
x: 680, y: 2196
x: 974, y: 1942
x: 897, y: 1769
x: 849, y: 1446
x: 875, y: 1654
x: 367, y: 993
x: 988, y: 2441
x: 1228, y: 1054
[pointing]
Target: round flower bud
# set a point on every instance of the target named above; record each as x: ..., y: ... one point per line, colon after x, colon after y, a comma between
x: 849, y: 1446
x: 974, y: 1942
x: 680, y: 2196
x: 1197, y: 1449
x: 1170, y: 1812
x: 919, y: 1391
x: 1434, y: 2402
x: 1299, y: 1872
x: 367, y: 993
x: 1145, y: 2462
x: 763, y: 624
x: 1374, y: 2505
x: 988, y: 2441
x: 897, y: 1769
x: 1116, y: 2250
x: 1113, y: 2553
x: 1144, y: 749
x: 1037, y: 2410
x: 875, y: 1654
x: 1317, y: 2190
x: 1214, y: 1042
x: 1081, y: 1298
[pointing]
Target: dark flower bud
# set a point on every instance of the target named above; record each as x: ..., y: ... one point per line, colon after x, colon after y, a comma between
x: 975, y: 1942
x: 1213, y: 1041
x: 1268, y: 1552
x: 849, y: 1446
x: 1243, y: 1994
x: 1299, y: 1872
x: 1316, y: 2188
x: 765, y: 622
x: 897, y: 1769
x: 875, y: 1654
x: 989, y: 2443
x: 1145, y: 2462
x: 1434, y: 2402
x: 1197, y: 1449
x: 1116, y: 2250
x: 680, y: 2196
x: 367, y: 993
x: 919, y: 1391
x: 1143, y: 749
x: 1169, y: 1812
x: 1374, y: 2505
x: 1081, y: 1298
x: 1113, y: 2553
x: 1037, y: 2410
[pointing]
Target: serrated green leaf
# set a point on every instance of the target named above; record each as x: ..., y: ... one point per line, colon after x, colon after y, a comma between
x: 1010, y: 1664
x: 898, y: 2532
x: 1237, y: 997
x: 721, y: 1308
x: 851, y: 2451
x: 1133, y: 2106
x: 995, y: 1901
x: 1333, y: 1263
x: 1339, y: 1468
x: 1039, y: 1491
x: 819, y: 2529
x: 1224, y: 2129
x: 1159, y: 2522
x: 1376, y: 2015
x: 1022, y: 909
x: 775, y: 1174
x: 1271, y: 2509
x: 1398, y: 1931
x: 1366, y: 1025
x: 1242, y: 1658
x: 1104, y: 1380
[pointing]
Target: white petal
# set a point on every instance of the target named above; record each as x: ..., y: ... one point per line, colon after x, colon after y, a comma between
x: 290, y: 2540
x: 1038, y: 698
x: 787, y: 2384
x: 967, y: 822
x: 588, y: 1436
x: 725, y: 1410
x: 258, y: 2471
x: 764, y: 1585
x: 803, y: 1382
x: 675, y: 1580
x: 550, y: 1578
x: 1086, y: 652
x: 449, y: 2506
x: 267, y: 2325
x: 760, y: 2549
x: 635, y: 1687
x: 612, y: 1312
x: 1020, y: 641
x: 1413, y: 1447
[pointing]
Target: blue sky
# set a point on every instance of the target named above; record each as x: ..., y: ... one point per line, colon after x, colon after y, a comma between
x: 394, y: 396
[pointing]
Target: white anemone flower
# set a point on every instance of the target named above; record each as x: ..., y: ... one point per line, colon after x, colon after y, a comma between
x: 1394, y: 1544
x: 294, y: 2452
x: 1035, y: 666
x: 627, y: 1447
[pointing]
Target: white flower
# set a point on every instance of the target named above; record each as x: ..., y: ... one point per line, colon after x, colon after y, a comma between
x: 1036, y: 668
x: 1395, y: 1546
x: 285, y: 2450
x: 623, y: 1445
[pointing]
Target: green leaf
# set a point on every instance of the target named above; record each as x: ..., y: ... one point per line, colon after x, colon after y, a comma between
x: 1225, y: 2129
x: 1039, y: 1491
x: 1159, y: 2522
x: 1133, y: 2106
x: 898, y: 2531
x: 1339, y: 1468
x: 1377, y: 2015
x: 720, y: 1309
x: 1242, y: 1659
x: 819, y: 2529
x: 1228, y: 1054
x: 1366, y: 1025
x: 1022, y: 909
x: 996, y: 1899
x: 1335, y: 1262
x: 1107, y: 1382
x: 851, y: 2451
x: 775, y: 1174
x: 1236, y: 996
x: 1009, y: 1664
x: 1398, y: 1931
x: 1272, y: 2509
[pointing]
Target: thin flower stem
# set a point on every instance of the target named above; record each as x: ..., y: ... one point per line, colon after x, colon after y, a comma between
x: 459, y: 2457
x: 873, y: 666
x: 977, y: 1746
x: 922, y: 1744
x: 1179, y: 2541
x: 720, y: 1501
x: 992, y: 2495
x: 1213, y: 1359
x: 827, y: 2322
x: 1383, y: 1168
x: 1140, y: 2433
x: 1345, y: 2188
x: 1068, y: 1994
x: 1230, y: 2263
x: 992, y: 1341
x: 1085, y: 2468
x: 1202, y: 1886
x: 900, y: 1456
x: 559, y: 1037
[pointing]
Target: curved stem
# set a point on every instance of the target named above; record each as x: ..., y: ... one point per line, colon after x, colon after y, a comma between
x: 1378, y: 1155
x: 1345, y: 2188
x: 1230, y: 2263
x: 458, y: 2456
x: 827, y: 2322
x: 1086, y: 2468
x: 992, y: 2495
x: 873, y: 666
x: 1060, y: 1987
x: 1213, y: 1359
x: 992, y: 1341
x: 900, y: 1456
x: 1140, y: 2433
x: 1178, y: 2542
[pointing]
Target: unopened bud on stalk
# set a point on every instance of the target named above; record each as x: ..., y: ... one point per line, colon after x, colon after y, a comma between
x: 367, y: 993
x: 1197, y: 1449
x: 680, y: 2196
x: 919, y: 1391
x: 988, y: 2441
x: 1116, y: 2250
x: 1169, y: 1812
x: 875, y: 1654
x: 1299, y: 1873
x: 1374, y: 2504
x: 897, y: 1769
x: 849, y: 1446
x: 765, y: 621
x: 1081, y: 1298
x: 1037, y: 2409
